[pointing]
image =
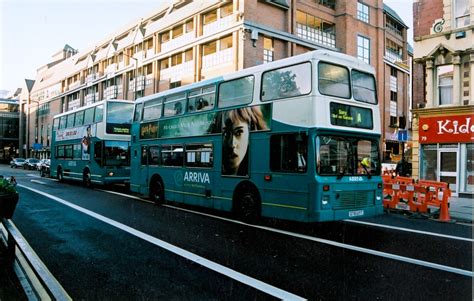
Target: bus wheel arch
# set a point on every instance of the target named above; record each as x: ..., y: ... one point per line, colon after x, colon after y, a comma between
x: 246, y: 202
x: 157, y: 190
x: 86, y: 177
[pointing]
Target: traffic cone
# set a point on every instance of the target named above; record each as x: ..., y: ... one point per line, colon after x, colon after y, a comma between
x: 444, y: 212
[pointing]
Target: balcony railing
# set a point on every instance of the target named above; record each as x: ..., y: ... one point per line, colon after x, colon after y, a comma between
x: 178, y: 42
x: 73, y: 104
x: 218, y: 25
x: 110, y: 70
x: 74, y: 85
x: 111, y: 92
x: 176, y: 73
x: 91, y: 98
x: 392, y: 56
x: 91, y: 77
x: 218, y: 58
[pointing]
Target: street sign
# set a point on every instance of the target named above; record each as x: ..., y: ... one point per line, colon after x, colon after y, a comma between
x: 402, y: 135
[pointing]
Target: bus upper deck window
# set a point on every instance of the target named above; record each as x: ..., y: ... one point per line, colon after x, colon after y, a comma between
x: 286, y: 82
x: 333, y: 80
x: 89, y: 116
x: 363, y: 87
x: 236, y: 92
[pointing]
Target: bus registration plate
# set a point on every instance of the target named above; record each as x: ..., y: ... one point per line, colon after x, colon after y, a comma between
x: 356, y: 213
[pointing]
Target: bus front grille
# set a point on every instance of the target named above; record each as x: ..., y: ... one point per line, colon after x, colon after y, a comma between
x: 354, y: 199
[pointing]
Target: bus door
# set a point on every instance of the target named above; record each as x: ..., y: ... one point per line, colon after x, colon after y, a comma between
x: 287, y: 185
x: 140, y: 167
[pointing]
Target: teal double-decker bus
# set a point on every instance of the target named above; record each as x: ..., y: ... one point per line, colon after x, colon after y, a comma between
x: 295, y: 139
x: 92, y: 144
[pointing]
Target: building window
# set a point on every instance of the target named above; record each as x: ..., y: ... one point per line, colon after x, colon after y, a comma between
x: 164, y: 64
x: 177, y: 59
x: 226, y: 10
x: 165, y: 37
x: 363, y: 12
x: 328, y: 3
x: 393, y: 96
x: 177, y: 31
x: 189, y: 25
x: 315, y: 29
x: 461, y: 9
x: 363, y: 49
x: 393, y: 71
x: 210, y: 17
x: 226, y: 43
x: 267, y: 50
x: 188, y: 55
x: 445, y: 84
x: 209, y: 48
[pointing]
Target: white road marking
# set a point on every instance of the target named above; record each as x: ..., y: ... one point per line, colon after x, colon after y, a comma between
x: 33, y: 175
x: 126, y: 195
x: 252, y: 282
x: 409, y: 230
x: 330, y: 242
x: 39, y: 182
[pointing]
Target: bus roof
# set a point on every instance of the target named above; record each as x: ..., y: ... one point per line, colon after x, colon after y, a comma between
x: 324, y: 55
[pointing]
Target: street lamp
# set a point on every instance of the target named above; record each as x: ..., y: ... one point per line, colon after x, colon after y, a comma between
x: 136, y: 74
x: 28, y: 123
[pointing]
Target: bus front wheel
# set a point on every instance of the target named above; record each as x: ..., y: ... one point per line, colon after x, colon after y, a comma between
x: 157, y: 192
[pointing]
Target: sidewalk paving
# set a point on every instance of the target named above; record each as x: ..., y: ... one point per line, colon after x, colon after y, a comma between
x: 461, y: 209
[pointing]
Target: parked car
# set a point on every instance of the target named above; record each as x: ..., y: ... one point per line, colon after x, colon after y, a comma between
x: 30, y: 163
x: 38, y: 165
x: 44, y: 167
x: 17, y: 162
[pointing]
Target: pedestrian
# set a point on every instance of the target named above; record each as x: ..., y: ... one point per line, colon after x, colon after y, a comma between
x: 402, y: 167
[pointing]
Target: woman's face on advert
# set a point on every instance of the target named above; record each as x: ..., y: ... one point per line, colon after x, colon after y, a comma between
x: 236, y: 141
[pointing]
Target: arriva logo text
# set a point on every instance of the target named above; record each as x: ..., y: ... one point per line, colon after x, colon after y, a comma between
x: 197, y: 177
x: 355, y: 179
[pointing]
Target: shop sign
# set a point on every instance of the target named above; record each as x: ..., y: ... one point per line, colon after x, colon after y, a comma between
x: 447, y: 129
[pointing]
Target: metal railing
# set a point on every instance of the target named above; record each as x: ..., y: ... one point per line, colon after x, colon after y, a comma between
x: 24, y: 260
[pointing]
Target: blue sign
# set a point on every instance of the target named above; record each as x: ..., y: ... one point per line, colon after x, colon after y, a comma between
x: 37, y: 146
x: 402, y: 135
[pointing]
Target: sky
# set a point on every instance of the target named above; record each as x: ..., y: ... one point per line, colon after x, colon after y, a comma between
x: 31, y: 31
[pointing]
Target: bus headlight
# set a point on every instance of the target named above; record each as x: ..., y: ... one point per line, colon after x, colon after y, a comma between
x: 111, y: 173
x: 325, y: 200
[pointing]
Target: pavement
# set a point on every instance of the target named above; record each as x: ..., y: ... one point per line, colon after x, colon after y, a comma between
x: 461, y: 209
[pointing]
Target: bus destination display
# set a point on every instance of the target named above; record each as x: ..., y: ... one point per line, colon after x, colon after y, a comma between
x: 351, y: 116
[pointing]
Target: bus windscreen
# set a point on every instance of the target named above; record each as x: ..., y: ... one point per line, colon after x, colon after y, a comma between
x: 119, y: 118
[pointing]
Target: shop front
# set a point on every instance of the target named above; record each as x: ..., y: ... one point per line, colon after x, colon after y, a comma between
x: 446, y: 148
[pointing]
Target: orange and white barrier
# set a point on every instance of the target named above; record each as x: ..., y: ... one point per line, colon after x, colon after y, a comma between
x: 405, y: 193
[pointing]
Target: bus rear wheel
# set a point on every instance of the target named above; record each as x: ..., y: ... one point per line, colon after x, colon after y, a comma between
x: 60, y: 175
x: 247, y: 207
x: 157, y: 192
x: 86, y: 178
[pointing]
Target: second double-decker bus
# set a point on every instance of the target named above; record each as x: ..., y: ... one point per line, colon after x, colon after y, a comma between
x: 295, y: 139
x: 92, y: 143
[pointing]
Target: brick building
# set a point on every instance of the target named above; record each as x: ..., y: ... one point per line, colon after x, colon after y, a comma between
x: 443, y: 148
x: 189, y: 41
